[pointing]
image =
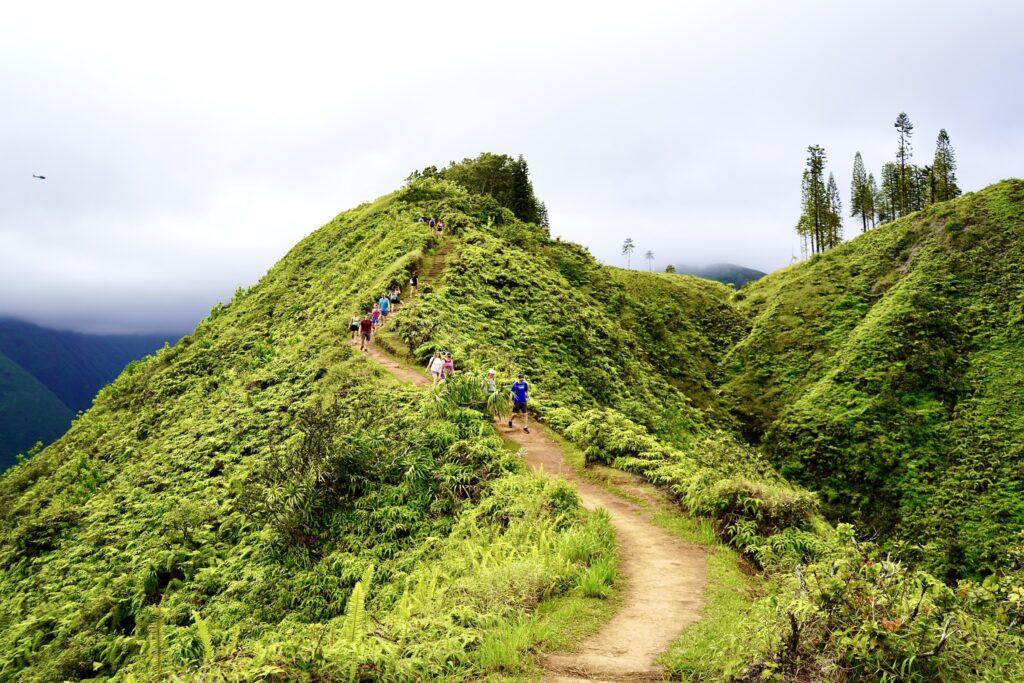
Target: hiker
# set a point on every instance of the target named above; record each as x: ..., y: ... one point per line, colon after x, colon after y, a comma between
x: 432, y: 224
x: 353, y: 326
x: 440, y: 228
x: 421, y: 219
x: 519, y: 393
x: 396, y: 296
x: 435, y: 364
x: 448, y: 367
x: 414, y: 282
x: 375, y: 316
x: 385, y: 307
x: 490, y: 383
x: 365, y: 330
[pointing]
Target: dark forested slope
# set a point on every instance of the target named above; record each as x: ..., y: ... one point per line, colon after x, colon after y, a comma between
x: 29, y: 412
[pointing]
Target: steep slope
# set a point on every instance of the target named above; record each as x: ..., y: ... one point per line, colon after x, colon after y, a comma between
x: 243, y: 502
x: 883, y: 373
x: 29, y: 412
x: 72, y: 365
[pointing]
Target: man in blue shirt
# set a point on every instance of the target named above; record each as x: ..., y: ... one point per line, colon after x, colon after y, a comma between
x: 519, y: 392
x: 385, y: 305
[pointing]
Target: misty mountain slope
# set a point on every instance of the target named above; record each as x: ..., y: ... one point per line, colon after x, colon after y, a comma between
x: 72, y: 365
x: 29, y: 412
x: 884, y: 372
x: 726, y: 273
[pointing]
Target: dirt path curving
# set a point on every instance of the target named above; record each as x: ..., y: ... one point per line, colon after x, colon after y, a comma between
x: 663, y: 577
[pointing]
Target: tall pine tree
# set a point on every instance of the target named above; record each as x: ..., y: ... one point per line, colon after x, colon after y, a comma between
x: 944, y: 170
x: 903, y: 154
x: 833, y: 214
x: 872, y: 197
x: 813, y: 225
x: 861, y: 199
x: 888, y: 202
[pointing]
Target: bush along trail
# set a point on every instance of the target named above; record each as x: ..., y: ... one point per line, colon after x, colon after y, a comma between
x: 663, y: 577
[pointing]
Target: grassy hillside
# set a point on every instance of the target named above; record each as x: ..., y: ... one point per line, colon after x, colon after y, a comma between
x: 29, y: 412
x: 260, y: 502
x: 230, y: 504
x: 883, y: 374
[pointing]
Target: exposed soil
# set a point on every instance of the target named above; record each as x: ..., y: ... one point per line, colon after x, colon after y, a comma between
x: 662, y: 577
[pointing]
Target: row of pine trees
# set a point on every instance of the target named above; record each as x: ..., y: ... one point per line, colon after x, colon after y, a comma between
x: 905, y: 188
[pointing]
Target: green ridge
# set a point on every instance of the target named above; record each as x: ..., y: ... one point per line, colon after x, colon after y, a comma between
x: 259, y: 502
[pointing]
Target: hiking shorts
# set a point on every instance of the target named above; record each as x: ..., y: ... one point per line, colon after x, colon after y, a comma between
x: 519, y: 407
x: 353, y: 328
x: 366, y: 336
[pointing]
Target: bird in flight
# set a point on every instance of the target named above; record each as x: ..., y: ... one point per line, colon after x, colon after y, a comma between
x: 40, y: 177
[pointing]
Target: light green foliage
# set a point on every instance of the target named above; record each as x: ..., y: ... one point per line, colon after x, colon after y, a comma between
x: 260, y: 503
x: 252, y: 473
x: 880, y: 374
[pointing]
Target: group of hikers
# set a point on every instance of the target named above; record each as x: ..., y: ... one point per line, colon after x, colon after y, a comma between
x: 368, y: 324
x: 434, y: 225
x: 441, y: 367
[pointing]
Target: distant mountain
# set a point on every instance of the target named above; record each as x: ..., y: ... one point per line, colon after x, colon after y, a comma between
x: 46, y: 376
x: 726, y: 273
x: 29, y: 412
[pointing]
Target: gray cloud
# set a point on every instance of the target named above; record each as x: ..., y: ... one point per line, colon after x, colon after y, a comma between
x: 188, y: 151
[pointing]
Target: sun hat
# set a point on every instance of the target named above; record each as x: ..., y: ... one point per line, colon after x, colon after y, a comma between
x: 491, y: 371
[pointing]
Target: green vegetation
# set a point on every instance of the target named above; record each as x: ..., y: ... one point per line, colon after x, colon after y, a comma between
x: 260, y: 502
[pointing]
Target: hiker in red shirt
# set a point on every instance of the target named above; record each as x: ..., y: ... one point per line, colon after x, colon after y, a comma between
x: 365, y: 330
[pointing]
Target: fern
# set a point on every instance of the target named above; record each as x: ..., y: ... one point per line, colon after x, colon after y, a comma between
x: 204, y: 636
x: 155, y: 637
x: 357, y: 620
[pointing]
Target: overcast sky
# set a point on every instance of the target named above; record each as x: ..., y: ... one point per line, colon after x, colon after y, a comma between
x: 187, y: 146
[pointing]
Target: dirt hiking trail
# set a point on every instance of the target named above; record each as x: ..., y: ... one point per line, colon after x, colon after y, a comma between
x: 662, y: 577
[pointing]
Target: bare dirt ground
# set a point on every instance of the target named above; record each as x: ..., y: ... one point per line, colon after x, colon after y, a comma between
x: 662, y: 578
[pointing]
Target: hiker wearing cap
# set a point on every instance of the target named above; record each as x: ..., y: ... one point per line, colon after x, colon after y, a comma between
x: 491, y: 384
x: 519, y: 393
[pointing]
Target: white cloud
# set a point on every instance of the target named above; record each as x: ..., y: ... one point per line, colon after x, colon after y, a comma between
x: 188, y: 146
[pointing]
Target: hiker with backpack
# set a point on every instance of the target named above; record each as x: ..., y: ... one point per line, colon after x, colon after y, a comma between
x: 435, y: 365
x: 519, y: 393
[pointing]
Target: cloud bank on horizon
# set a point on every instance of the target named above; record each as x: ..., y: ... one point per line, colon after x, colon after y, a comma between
x: 187, y: 149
